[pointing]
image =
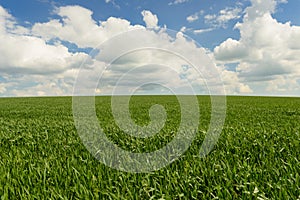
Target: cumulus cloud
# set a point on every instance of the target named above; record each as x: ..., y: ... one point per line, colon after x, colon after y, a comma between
x: 231, y: 50
x: 233, y: 84
x: 266, y: 48
x: 78, y: 26
x: 29, y: 65
x: 150, y: 19
x: 286, y: 84
x: 22, y: 53
x: 2, y: 88
x: 148, y: 56
x: 45, y: 68
x: 223, y: 17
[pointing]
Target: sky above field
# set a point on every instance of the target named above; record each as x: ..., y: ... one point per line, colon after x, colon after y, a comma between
x: 255, y: 46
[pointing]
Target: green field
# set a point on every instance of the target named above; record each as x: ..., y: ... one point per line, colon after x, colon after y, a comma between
x: 256, y: 157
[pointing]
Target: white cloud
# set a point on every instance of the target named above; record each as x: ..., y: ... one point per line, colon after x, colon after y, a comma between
x: 175, y: 2
x: 199, y: 31
x: 231, y: 50
x: 192, y: 18
x: 286, y: 84
x: 148, y: 56
x: 20, y: 53
x: 150, y: 19
x: 183, y: 29
x: 46, y: 69
x: 233, y: 84
x: 29, y: 65
x: 8, y: 23
x: 79, y: 27
x: 195, y: 16
x: 2, y: 88
x: 268, y: 51
x: 264, y: 42
x: 266, y: 46
x: 113, y: 3
x: 6, y: 20
x: 223, y: 17
x: 42, y: 86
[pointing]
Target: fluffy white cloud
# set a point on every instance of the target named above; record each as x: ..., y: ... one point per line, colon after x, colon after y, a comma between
x: 192, y: 18
x: 29, y: 65
x: 195, y: 16
x: 150, y: 19
x: 231, y: 50
x: 142, y: 55
x: 266, y: 47
x: 77, y: 26
x: 8, y: 23
x: 223, y: 17
x: 2, y: 88
x: 22, y: 53
x: 268, y: 50
x: 286, y: 84
x: 233, y: 84
x: 147, y: 56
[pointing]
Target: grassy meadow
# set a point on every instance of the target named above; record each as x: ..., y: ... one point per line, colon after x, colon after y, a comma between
x: 257, y: 155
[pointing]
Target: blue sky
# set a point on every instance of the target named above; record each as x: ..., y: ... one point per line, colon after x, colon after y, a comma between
x: 254, y: 44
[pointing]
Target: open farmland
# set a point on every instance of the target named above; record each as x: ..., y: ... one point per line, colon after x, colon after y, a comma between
x: 257, y: 155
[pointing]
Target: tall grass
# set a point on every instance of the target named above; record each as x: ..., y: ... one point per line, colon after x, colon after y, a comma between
x: 257, y: 155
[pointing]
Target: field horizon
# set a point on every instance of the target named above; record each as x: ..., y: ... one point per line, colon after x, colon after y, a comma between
x: 204, y: 95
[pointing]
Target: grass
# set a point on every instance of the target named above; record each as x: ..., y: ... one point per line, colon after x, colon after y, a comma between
x: 256, y: 157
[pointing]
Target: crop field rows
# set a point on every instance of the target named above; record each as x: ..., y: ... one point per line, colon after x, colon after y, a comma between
x: 256, y: 157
